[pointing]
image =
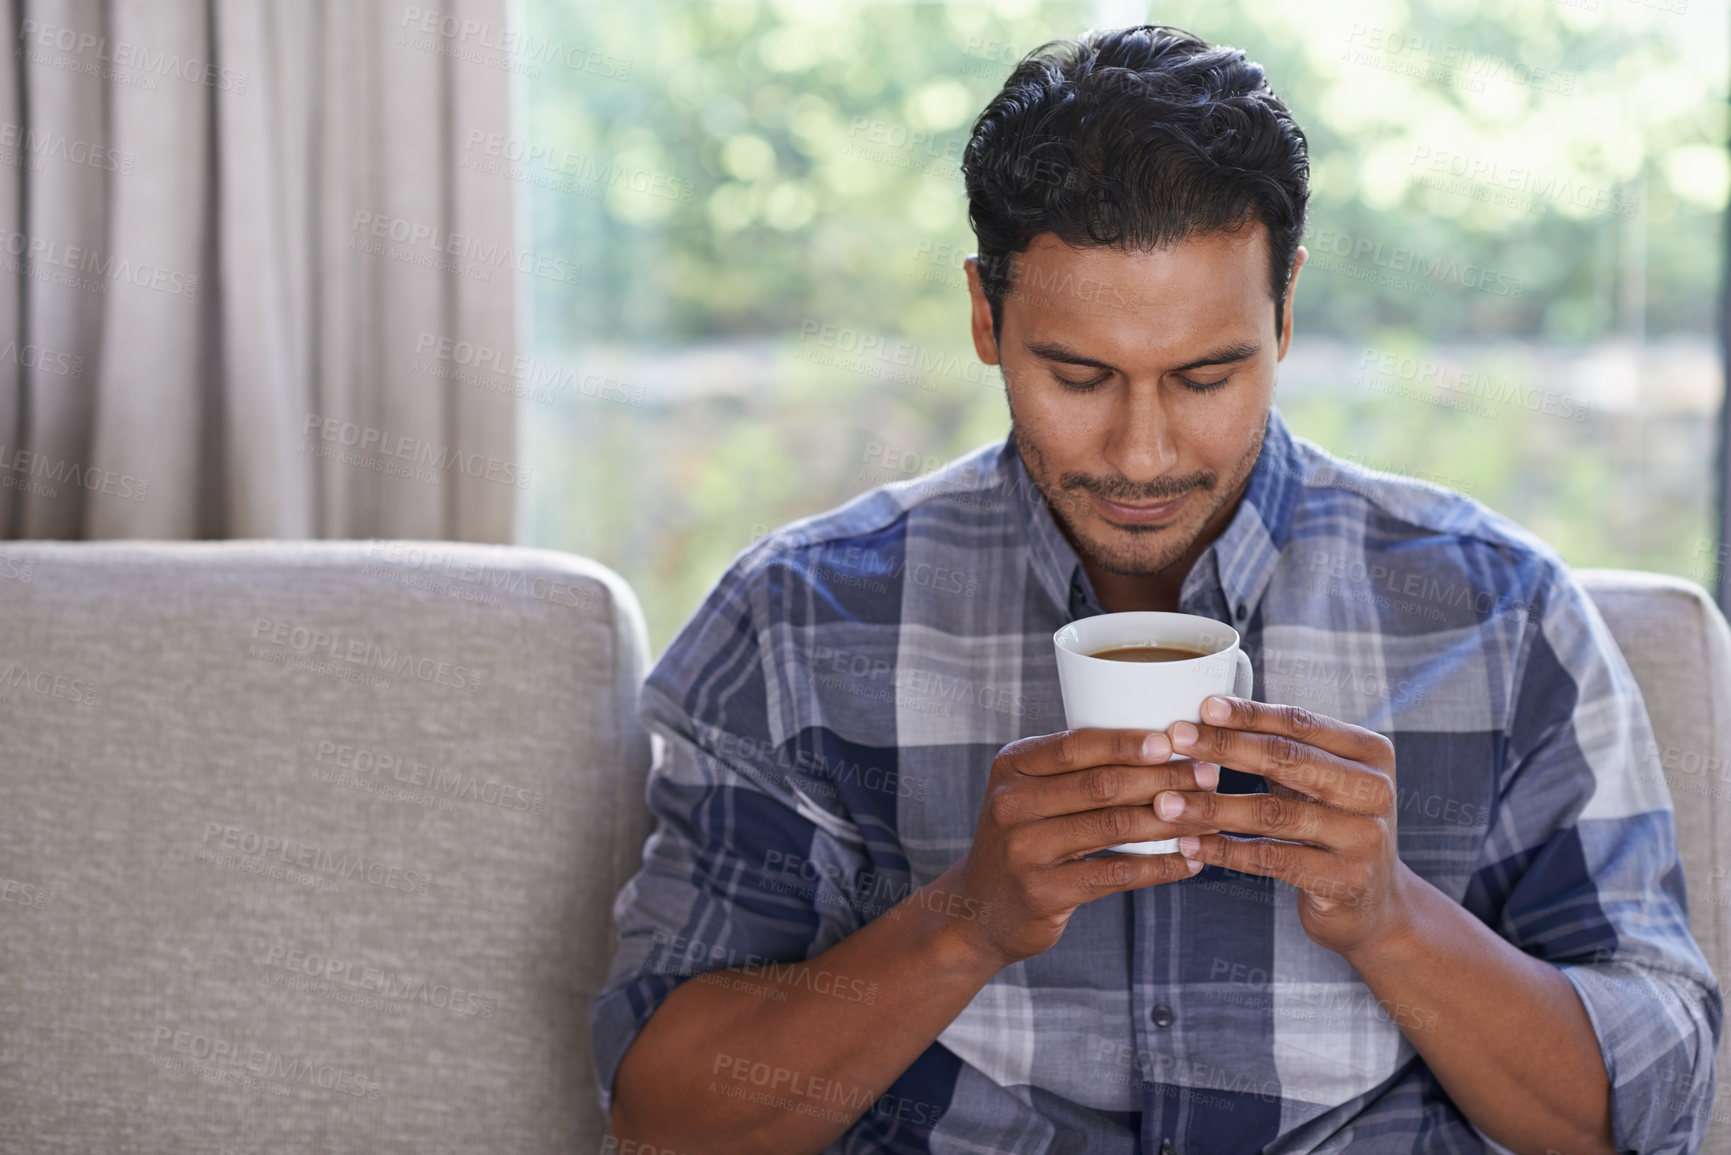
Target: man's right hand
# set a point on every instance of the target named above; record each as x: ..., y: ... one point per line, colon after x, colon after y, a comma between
x: 1053, y: 799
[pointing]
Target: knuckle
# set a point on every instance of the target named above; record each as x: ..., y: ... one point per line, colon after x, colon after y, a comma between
x: 1103, y: 785
x: 1068, y: 753
x: 1203, y: 807
x: 1019, y: 845
x: 1275, y: 857
x: 1115, y: 873
x: 1001, y: 805
x: 1273, y: 812
x: 1116, y: 824
x: 1301, y: 722
x: 1284, y: 752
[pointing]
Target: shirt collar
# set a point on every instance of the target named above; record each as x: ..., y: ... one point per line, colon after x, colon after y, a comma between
x: 1238, y: 563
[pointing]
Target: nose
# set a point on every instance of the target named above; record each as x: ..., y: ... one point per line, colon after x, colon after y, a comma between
x: 1142, y: 446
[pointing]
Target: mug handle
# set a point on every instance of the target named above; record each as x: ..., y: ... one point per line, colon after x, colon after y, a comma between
x: 1244, y: 684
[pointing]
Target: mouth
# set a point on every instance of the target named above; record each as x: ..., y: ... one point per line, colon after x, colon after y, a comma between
x: 1137, y: 514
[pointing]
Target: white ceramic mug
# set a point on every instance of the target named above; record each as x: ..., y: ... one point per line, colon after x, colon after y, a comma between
x: 1114, y: 695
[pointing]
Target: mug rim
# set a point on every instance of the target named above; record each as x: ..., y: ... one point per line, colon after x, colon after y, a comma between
x: 1235, y: 639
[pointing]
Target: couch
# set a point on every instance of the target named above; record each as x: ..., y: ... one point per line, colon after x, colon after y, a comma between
x: 311, y: 846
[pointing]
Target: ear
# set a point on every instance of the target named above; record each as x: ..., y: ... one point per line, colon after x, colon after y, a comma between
x: 1286, y: 310
x: 980, y: 314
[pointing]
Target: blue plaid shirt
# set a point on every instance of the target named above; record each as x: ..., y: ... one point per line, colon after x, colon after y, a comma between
x: 826, y: 722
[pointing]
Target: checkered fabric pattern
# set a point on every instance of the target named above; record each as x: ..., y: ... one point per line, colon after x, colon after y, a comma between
x: 825, y: 724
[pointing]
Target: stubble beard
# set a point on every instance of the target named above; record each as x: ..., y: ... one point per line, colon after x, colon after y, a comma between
x: 1148, y: 551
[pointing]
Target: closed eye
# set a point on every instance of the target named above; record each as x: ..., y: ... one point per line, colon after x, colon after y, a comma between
x: 1084, y: 386
x: 1204, y: 386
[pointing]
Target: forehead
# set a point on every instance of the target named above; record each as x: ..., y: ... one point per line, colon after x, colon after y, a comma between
x: 1142, y: 303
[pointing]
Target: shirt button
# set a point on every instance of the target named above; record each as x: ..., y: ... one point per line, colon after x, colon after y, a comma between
x: 1166, y: 1147
x: 1243, y: 611
x: 1162, y: 1015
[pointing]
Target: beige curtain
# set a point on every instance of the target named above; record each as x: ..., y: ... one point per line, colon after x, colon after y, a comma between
x: 242, y: 260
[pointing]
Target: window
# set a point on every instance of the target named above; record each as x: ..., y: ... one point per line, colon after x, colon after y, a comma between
x: 1514, y: 275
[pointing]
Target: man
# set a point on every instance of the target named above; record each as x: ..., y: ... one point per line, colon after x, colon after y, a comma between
x: 1428, y: 895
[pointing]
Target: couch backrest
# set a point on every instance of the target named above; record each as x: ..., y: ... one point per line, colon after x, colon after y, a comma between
x: 1678, y: 647
x: 310, y: 845
x: 314, y: 844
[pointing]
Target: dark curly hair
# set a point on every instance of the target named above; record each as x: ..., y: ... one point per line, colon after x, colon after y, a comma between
x: 1133, y: 138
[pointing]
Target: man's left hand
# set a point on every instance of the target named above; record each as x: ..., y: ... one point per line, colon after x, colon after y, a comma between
x: 1327, y: 825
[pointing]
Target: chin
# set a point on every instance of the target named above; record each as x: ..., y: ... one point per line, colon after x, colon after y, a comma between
x: 1137, y: 553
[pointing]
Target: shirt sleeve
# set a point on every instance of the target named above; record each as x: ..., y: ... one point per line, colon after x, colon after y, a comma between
x: 743, y: 866
x: 1584, y: 846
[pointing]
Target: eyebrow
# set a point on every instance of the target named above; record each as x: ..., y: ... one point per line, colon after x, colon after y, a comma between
x: 1230, y: 354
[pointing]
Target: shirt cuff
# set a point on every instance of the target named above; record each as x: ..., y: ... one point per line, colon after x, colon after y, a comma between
x: 615, y: 1021
x: 1657, y: 1040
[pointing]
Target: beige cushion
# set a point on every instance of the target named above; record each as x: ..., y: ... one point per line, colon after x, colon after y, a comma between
x: 411, y: 769
x: 382, y: 711
x: 1679, y: 649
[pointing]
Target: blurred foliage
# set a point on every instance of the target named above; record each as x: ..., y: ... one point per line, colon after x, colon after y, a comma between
x: 785, y: 177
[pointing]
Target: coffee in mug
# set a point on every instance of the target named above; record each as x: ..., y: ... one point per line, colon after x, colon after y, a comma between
x: 1150, y: 654
x: 1144, y: 670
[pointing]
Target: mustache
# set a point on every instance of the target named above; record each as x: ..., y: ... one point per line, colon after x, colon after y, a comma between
x: 1122, y: 489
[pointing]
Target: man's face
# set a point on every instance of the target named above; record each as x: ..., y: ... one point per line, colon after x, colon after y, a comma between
x: 1139, y: 386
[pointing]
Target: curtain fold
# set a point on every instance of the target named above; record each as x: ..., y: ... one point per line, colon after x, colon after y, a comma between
x: 235, y: 228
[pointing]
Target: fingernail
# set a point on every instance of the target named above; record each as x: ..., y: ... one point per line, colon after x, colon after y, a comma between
x: 1207, y: 775
x: 1216, y: 709
x: 1189, y: 845
x: 1156, y: 748
x: 1183, y: 733
x: 1169, y: 805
